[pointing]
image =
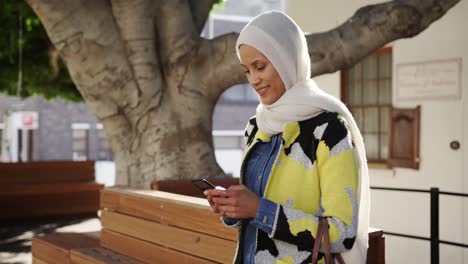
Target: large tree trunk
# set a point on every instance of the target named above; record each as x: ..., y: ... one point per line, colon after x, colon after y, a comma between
x: 153, y: 82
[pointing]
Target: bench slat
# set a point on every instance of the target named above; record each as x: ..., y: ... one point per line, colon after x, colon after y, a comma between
x: 46, y: 172
x: 51, y: 200
x: 99, y: 255
x: 21, y: 190
x: 55, y: 248
x: 146, y: 251
x: 213, y: 248
x: 177, y: 210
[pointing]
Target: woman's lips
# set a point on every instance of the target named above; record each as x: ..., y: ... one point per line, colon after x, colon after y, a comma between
x: 262, y: 91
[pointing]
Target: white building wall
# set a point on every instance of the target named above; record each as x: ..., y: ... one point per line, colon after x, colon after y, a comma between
x: 442, y: 120
x: 464, y: 142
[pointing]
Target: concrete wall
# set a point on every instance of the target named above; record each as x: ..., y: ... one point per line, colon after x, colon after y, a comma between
x: 442, y: 120
x: 53, y: 139
x: 465, y: 140
x: 56, y: 119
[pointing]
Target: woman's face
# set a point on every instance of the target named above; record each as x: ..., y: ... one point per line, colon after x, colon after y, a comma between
x: 261, y: 74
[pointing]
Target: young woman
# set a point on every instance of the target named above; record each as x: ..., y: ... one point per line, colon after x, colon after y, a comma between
x: 304, y: 157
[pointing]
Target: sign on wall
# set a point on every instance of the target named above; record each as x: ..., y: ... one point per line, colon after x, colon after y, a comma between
x: 25, y: 120
x: 439, y: 79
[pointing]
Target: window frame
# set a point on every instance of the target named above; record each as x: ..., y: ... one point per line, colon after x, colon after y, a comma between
x: 86, y: 128
x: 102, y: 137
x: 398, y: 155
x: 344, y: 91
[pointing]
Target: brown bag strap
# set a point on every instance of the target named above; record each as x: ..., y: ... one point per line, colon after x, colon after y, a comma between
x: 339, y: 258
x: 326, y: 238
x: 318, y: 238
x: 323, y: 231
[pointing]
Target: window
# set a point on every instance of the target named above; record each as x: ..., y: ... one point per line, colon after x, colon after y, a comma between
x: 80, y: 139
x: 367, y: 91
x: 103, y: 151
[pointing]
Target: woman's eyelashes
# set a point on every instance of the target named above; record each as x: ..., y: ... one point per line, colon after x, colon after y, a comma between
x: 258, y: 68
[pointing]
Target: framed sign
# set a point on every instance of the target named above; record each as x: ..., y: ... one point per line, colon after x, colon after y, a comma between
x: 25, y: 120
x: 439, y: 79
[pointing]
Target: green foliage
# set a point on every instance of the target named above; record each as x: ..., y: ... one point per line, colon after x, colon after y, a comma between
x: 37, y: 71
x: 218, y: 5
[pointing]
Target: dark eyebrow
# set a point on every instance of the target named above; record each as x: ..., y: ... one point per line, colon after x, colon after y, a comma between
x: 253, y: 63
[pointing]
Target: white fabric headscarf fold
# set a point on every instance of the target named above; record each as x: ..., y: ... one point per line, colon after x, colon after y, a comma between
x: 281, y: 40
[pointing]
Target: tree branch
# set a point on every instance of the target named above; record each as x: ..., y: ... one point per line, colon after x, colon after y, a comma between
x: 370, y: 28
x: 135, y: 19
x: 177, y: 33
x: 221, y: 66
x: 200, y: 12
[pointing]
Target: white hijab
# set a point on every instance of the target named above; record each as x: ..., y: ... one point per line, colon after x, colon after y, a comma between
x: 281, y: 40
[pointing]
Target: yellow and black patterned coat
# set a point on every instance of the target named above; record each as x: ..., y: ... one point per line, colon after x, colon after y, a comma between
x: 314, y: 175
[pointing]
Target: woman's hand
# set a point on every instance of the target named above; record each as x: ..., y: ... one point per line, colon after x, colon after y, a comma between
x: 210, y: 195
x: 235, y: 202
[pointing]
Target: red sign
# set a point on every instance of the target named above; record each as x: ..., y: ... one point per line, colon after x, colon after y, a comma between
x: 29, y: 120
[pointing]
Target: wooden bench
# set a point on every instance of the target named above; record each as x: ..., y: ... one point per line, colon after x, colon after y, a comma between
x: 376, y: 252
x: 147, y: 227
x: 164, y: 227
x: 143, y: 226
x: 48, y: 188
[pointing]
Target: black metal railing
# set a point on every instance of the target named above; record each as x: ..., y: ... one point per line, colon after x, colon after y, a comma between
x: 434, y: 238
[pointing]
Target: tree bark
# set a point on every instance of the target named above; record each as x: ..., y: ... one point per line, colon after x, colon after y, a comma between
x: 153, y: 82
x: 200, y: 11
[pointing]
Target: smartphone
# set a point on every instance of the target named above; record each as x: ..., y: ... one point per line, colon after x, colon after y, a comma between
x: 204, y: 184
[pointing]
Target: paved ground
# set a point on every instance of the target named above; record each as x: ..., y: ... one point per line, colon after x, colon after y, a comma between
x: 15, y: 236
